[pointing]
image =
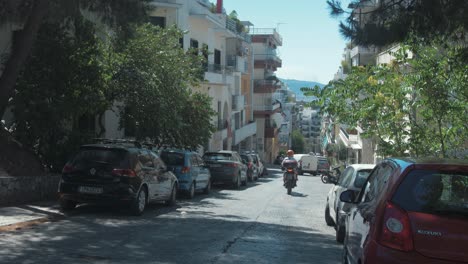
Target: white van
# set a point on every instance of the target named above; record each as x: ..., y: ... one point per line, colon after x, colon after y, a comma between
x: 311, y: 164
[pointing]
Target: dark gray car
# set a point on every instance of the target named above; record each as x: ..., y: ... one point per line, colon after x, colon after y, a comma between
x: 226, y: 167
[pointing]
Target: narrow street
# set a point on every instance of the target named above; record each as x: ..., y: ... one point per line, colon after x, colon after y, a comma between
x: 258, y: 224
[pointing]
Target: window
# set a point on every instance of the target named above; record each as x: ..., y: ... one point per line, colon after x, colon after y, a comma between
x: 145, y: 159
x: 361, y: 177
x: 158, y: 21
x: 217, y: 57
x: 377, y: 182
x: 436, y: 192
x: 346, y: 178
x: 158, y: 162
x: 172, y: 158
x: 193, y: 161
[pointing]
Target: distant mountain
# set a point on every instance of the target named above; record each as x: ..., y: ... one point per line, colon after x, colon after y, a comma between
x: 296, y: 85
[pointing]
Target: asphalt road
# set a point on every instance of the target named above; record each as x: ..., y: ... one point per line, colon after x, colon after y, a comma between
x: 258, y: 224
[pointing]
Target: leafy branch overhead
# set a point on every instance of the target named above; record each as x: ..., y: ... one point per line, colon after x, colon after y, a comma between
x: 386, y: 22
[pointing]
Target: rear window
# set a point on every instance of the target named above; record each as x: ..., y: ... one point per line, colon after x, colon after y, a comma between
x: 361, y: 177
x: 89, y: 157
x: 218, y: 156
x: 434, y: 192
x: 172, y: 158
x: 323, y: 164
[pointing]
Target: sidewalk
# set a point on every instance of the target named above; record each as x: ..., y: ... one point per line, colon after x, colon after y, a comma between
x: 21, y: 216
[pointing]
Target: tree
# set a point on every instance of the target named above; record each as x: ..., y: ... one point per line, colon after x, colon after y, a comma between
x: 297, y: 142
x: 29, y: 15
x: 413, y: 106
x: 153, y: 85
x: 59, y: 89
x: 388, y: 22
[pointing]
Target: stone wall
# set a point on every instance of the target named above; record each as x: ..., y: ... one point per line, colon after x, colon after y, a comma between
x: 16, y: 190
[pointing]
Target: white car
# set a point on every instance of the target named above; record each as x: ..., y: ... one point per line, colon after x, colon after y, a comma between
x: 352, y: 178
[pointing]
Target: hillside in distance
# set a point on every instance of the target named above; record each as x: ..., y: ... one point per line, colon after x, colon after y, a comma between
x: 296, y: 85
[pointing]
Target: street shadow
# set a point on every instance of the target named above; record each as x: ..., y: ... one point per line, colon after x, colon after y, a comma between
x: 193, y: 237
x: 297, y: 194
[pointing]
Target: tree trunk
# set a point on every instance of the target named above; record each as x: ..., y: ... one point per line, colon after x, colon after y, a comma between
x: 22, y: 43
x: 442, y: 141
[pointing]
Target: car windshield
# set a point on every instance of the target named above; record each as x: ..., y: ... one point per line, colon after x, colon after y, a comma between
x: 172, y: 158
x: 361, y: 177
x: 217, y: 156
x: 434, y: 192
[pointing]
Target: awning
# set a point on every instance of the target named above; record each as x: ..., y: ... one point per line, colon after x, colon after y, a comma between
x: 356, y: 146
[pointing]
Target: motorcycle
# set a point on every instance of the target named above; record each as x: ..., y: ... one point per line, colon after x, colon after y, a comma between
x: 289, y: 175
x: 331, y: 176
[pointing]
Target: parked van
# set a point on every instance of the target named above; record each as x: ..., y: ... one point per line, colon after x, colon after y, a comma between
x: 311, y: 164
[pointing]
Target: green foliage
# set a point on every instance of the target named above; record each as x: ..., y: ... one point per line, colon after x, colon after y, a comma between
x: 413, y: 106
x: 297, y: 142
x: 59, y: 86
x: 391, y: 22
x: 153, y: 84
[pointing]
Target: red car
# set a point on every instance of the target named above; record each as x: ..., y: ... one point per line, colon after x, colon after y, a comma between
x: 409, y: 211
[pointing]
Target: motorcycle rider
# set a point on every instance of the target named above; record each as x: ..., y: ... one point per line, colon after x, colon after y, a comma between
x: 288, y: 159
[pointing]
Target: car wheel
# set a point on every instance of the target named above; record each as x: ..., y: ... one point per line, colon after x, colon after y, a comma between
x: 139, y: 204
x: 328, y: 218
x: 172, y: 198
x: 66, y: 204
x: 244, y: 182
x: 237, y: 184
x: 191, y: 191
x: 207, y: 189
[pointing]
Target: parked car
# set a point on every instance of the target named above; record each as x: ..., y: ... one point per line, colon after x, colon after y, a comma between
x: 190, y: 169
x: 353, y: 178
x: 226, y: 167
x: 260, y: 164
x: 113, y: 172
x: 409, y: 211
x: 252, y: 168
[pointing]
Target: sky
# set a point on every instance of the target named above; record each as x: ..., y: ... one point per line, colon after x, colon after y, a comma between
x: 312, y: 45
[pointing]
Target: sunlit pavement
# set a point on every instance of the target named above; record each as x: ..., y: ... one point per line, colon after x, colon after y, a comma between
x: 258, y: 224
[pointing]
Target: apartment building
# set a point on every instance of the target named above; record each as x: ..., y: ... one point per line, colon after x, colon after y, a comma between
x: 229, y: 67
x: 267, y: 110
x: 310, y: 125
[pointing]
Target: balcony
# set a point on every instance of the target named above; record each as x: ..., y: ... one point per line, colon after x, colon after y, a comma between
x: 266, y: 86
x: 267, y: 59
x: 238, y: 102
x: 218, y: 68
x: 231, y: 25
x: 350, y: 140
x: 266, y: 109
x: 237, y: 63
x: 261, y: 33
x: 244, y: 132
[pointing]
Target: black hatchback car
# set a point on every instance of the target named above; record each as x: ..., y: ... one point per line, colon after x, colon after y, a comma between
x: 116, y: 172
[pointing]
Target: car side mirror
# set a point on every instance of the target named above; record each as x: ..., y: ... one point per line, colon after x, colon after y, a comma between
x: 348, y: 196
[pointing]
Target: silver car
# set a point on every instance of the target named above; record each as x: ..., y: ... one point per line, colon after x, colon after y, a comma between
x: 352, y: 178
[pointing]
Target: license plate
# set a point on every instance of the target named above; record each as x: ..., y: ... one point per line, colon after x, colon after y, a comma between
x: 215, y: 165
x: 92, y: 190
x: 289, y: 176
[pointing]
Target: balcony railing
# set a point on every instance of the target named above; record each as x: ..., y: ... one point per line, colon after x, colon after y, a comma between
x: 218, y: 68
x: 231, y: 25
x: 266, y: 86
x: 268, y: 31
x: 267, y: 108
